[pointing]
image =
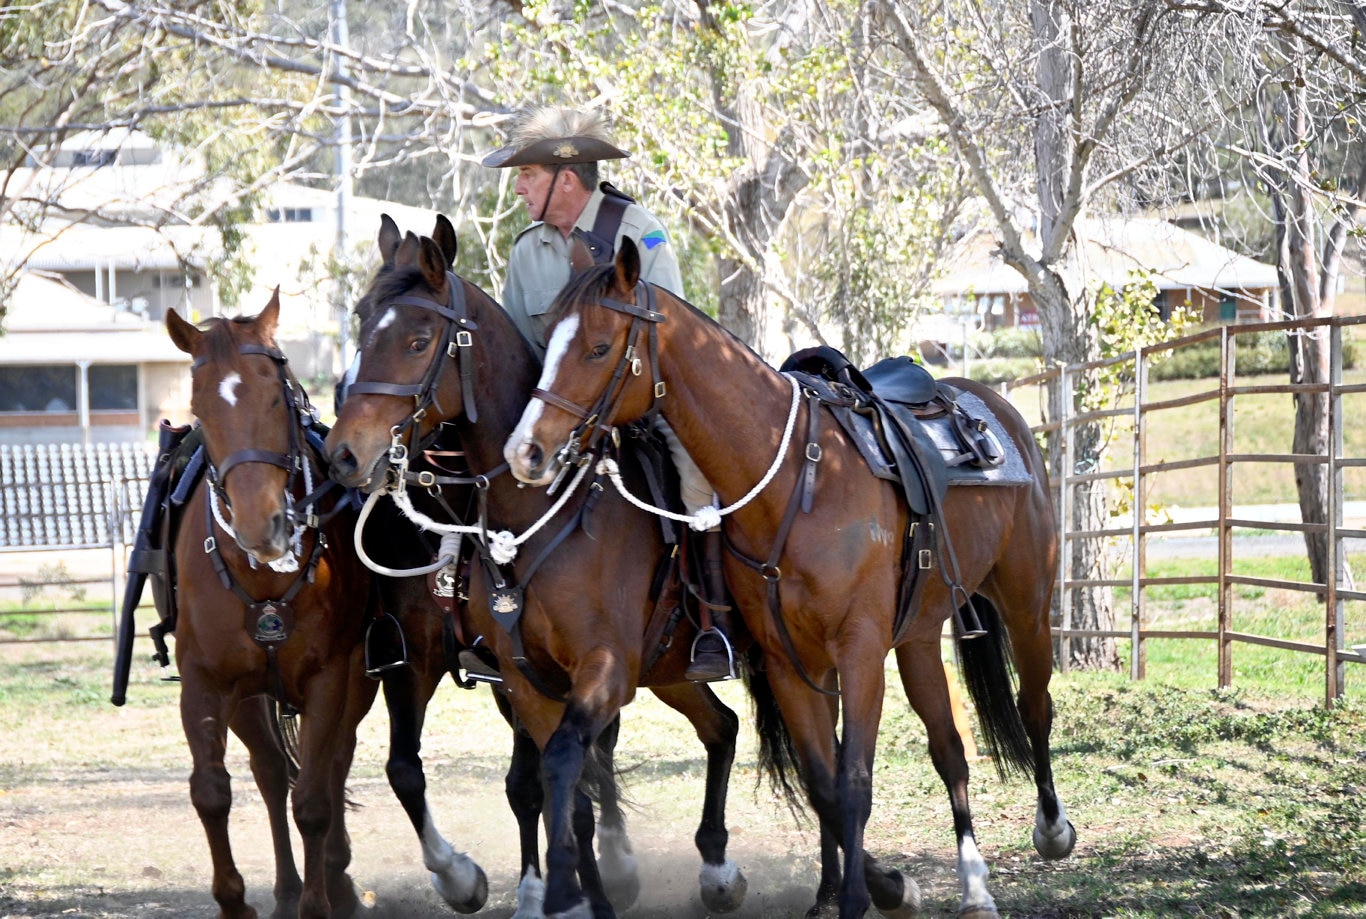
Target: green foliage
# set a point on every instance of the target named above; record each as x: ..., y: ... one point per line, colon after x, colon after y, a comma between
x: 1256, y: 354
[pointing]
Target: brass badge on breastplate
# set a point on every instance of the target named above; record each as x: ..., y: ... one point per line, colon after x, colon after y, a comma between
x: 269, y: 625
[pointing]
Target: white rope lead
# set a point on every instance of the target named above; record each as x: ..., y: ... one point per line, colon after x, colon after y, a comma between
x: 502, y: 544
x: 708, y: 518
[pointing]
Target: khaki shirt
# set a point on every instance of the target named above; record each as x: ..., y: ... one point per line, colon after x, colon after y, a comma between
x: 540, y: 265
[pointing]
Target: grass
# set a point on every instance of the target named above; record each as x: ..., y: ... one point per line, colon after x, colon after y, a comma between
x: 1187, y: 802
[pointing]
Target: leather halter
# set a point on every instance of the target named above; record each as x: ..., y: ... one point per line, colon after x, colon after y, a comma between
x: 457, y: 343
x: 291, y: 462
x: 597, y: 420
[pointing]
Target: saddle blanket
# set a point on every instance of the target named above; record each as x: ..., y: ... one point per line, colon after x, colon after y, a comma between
x: 1011, y: 472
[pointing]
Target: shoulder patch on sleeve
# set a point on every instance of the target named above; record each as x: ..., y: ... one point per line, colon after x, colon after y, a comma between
x: 653, y: 238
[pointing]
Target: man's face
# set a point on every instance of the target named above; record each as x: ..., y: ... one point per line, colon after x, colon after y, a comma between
x: 533, y: 185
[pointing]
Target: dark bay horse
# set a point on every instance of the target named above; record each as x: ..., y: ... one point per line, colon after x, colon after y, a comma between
x: 436, y: 350
x: 823, y: 609
x: 273, y: 612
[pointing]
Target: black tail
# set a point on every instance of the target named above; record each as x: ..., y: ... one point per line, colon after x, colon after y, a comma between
x: 986, y: 665
x: 777, y: 754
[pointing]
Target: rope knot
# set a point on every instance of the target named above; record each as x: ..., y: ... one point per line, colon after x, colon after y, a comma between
x: 706, y: 518
x: 503, y: 547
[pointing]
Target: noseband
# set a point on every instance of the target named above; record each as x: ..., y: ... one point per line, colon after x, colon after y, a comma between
x: 457, y: 343
x: 595, y: 422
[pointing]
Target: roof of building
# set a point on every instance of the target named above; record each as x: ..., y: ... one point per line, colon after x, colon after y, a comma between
x: 1116, y: 249
x: 49, y: 322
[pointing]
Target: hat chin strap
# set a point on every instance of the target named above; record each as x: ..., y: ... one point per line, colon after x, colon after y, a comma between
x: 545, y: 208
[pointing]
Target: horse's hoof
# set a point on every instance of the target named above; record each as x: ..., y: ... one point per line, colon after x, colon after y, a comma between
x: 580, y: 910
x: 910, y: 901
x: 723, y: 886
x: 619, y: 872
x: 530, y: 897
x: 1057, y: 846
x: 464, y: 891
x: 979, y: 912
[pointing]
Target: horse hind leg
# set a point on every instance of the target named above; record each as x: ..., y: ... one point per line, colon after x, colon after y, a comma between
x: 617, y: 866
x: 922, y: 676
x: 722, y: 884
x: 254, y: 725
x: 1032, y: 650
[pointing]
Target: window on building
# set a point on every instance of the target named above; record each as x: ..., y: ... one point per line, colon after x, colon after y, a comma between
x: 38, y: 388
x: 94, y: 158
x: 113, y: 387
x: 1228, y: 308
x: 289, y: 214
x: 52, y: 388
x: 1162, y: 306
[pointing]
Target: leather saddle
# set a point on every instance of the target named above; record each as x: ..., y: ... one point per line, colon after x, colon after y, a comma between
x: 886, y: 409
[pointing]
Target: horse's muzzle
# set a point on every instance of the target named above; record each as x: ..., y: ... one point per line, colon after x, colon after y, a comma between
x: 529, y: 463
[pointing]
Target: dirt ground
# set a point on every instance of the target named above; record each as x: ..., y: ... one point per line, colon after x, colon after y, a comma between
x: 95, y: 817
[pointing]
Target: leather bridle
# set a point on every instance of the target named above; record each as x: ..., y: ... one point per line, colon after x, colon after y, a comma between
x: 292, y: 461
x: 596, y: 422
x: 457, y: 343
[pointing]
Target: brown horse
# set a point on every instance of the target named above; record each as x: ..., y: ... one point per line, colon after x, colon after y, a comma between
x: 437, y: 351
x: 823, y: 604
x: 272, y: 612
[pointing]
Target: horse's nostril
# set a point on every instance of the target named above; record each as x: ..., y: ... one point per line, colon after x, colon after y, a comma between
x: 534, y: 456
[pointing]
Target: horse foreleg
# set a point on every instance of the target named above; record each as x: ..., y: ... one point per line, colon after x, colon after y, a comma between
x: 723, y: 885
x: 563, y: 763
x: 253, y: 723
x: 327, y: 737
x: 526, y: 798
x: 455, y: 876
x: 922, y: 675
x: 204, y: 714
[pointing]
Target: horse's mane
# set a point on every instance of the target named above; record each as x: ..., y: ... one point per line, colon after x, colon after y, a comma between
x: 585, y: 285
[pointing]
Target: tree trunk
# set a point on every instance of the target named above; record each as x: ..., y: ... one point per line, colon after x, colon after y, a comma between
x: 1068, y: 335
x: 1067, y: 338
x: 1310, y: 354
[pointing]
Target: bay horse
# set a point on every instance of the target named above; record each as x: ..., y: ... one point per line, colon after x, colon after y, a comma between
x: 822, y: 606
x: 436, y: 351
x: 273, y: 612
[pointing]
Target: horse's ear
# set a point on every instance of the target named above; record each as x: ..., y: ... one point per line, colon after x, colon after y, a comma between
x: 579, y: 256
x: 432, y: 261
x: 407, y: 250
x: 628, y: 265
x: 269, y: 319
x: 185, y: 335
x: 444, y: 237
x: 389, y: 238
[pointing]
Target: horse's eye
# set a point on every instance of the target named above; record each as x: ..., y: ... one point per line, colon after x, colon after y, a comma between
x: 599, y: 351
x: 418, y: 345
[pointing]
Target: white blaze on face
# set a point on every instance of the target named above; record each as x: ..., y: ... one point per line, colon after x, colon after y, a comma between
x: 228, y: 388
x: 554, y: 354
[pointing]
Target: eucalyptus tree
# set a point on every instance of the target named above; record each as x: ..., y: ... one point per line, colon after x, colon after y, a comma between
x: 760, y: 127
x: 1056, y: 107
x: 1292, y: 78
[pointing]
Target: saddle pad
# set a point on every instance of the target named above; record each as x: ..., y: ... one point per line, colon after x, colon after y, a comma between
x: 1011, y: 472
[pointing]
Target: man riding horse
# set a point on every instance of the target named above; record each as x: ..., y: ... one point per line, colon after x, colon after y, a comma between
x: 556, y: 152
